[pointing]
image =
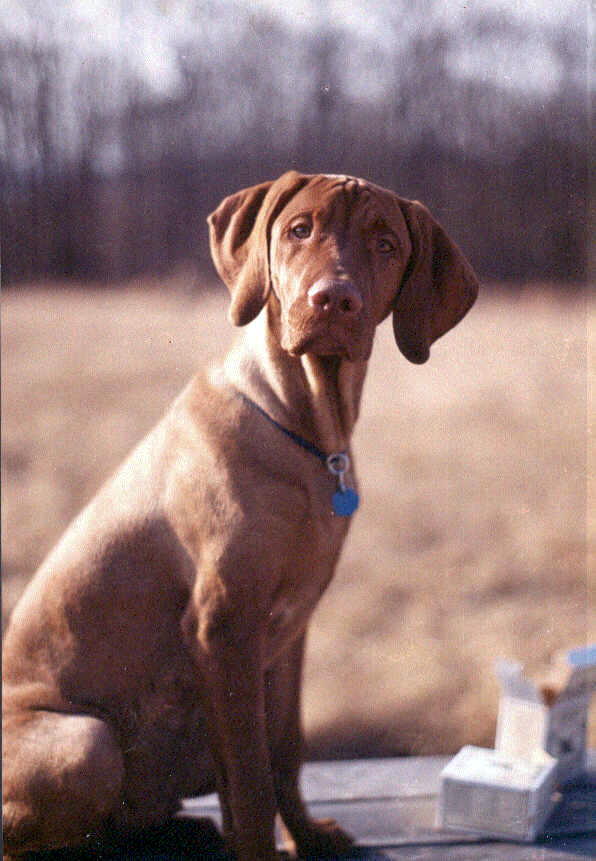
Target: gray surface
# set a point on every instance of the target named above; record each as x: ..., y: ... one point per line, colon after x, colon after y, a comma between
x: 389, y: 806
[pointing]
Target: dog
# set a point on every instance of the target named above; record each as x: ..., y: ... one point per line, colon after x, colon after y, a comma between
x: 157, y: 653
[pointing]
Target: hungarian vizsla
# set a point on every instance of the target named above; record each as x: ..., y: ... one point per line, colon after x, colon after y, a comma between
x: 157, y: 652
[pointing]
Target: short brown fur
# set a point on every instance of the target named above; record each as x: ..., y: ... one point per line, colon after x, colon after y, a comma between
x: 157, y: 652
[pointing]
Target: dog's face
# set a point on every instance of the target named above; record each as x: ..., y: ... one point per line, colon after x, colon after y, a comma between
x: 337, y: 254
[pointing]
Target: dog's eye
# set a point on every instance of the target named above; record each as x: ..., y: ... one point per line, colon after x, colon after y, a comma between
x: 385, y: 245
x: 301, y: 231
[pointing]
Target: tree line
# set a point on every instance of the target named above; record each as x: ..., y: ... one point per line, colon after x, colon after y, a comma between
x: 105, y: 175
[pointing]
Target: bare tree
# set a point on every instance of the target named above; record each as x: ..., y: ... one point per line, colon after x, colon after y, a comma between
x: 104, y: 175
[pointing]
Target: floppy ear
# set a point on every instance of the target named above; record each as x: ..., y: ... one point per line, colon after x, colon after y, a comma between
x: 437, y: 290
x: 239, y: 233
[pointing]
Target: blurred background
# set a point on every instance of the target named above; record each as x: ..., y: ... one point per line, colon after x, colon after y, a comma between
x: 125, y: 122
x: 122, y: 125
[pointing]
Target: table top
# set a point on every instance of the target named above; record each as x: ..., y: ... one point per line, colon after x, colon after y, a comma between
x: 389, y: 806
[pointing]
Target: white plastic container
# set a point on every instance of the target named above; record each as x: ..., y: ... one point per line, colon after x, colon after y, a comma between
x: 550, y: 713
x: 487, y: 792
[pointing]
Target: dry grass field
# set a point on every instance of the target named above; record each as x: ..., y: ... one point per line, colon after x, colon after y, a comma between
x: 471, y: 540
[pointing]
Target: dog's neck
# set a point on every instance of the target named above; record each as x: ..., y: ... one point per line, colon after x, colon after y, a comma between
x: 317, y: 397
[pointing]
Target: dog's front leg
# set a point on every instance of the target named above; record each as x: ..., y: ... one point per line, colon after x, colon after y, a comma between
x: 304, y: 835
x: 228, y: 645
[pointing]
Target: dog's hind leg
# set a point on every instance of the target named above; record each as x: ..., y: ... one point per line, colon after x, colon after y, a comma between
x: 62, y: 779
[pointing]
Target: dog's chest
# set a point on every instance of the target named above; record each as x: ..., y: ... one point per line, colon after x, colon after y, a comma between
x: 304, y: 577
x: 288, y: 618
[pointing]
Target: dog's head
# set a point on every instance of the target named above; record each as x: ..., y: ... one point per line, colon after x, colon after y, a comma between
x: 337, y: 255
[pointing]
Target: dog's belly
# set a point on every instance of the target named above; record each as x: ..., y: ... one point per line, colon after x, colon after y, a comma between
x: 152, y: 700
x: 164, y: 745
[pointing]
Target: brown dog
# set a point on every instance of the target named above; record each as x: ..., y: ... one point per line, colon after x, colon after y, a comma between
x: 157, y: 652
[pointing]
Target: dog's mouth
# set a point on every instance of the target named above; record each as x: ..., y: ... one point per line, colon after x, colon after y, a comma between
x: 331, y: 339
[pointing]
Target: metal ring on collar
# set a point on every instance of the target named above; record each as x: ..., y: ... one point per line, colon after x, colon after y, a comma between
x: 338, y: 463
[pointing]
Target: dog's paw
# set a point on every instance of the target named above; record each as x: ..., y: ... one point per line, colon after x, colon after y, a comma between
x: 323, y: 839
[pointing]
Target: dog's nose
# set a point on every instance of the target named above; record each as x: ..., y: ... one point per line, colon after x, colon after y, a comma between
x: 334, y: 297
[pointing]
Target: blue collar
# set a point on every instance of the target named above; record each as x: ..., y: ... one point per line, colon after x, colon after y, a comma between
x: 345, y: 500
x: 299, y: 440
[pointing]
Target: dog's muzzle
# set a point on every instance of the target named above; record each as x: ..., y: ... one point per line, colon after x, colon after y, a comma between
x: 330, y: 319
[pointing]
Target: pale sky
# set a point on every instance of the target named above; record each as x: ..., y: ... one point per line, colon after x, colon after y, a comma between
x: 370, y: 16
x: 145, y: 30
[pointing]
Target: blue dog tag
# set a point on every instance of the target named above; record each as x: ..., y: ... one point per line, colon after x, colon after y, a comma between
x: 345, y: 502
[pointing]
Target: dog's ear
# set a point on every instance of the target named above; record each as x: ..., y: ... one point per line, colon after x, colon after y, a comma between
x: 438, y: 288
x: 239, y: 235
